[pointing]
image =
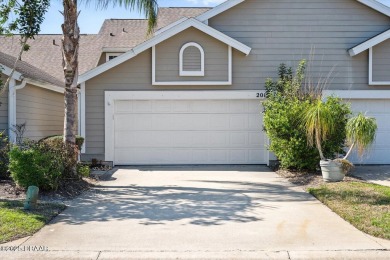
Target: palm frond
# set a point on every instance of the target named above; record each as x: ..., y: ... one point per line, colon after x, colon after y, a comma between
x: 361, y: 132
x: 147, y: 7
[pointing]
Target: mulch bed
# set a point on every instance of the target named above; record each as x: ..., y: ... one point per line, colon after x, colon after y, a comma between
x: 67, y: 190
x: 310, y: 179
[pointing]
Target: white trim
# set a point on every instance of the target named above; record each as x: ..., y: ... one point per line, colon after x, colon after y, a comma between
x: 162, y: 37
x: 230, y: 64
x: 82, y: 116
x: 11, y: 110
x: 12, y: 107
x: 170, y: 26
x: 7, y: 71
x: 115, y: 50
x: 359, y: 94
x: 369, y: 43
x: 45, y: 85
x: 194, y: 83
x: 376, y: 6
x: 184, y: 73
x: 371, y: 81
x: 115, y: 54
x: 111, y: 96
x: 184, y: 95
x: 218, y: 9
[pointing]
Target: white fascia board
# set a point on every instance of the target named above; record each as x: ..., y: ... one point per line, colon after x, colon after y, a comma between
x: 45, y: 85
x: 115, y: 50
x: 376, y: 6
x: 191, y: 22
x: 111, y: 96
x: 170, y: 26
x: 369, y: 43
x: 7, y: 71
x: 106, y: 66
x: 358, y: 94
x: 218, y: 9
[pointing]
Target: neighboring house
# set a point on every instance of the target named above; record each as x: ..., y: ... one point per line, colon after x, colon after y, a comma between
x: 190, y: 93
x: 33, y: 97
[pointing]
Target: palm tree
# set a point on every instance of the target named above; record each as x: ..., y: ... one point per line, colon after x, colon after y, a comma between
x: 70, y: 51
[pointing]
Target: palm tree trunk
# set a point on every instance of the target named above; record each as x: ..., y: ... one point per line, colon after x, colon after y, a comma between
x: 319, y: 146
x: 70, y: 48
x: 349, y: 152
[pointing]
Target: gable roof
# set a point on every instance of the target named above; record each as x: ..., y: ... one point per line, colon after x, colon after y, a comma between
x: 25, y: 70
x: 168, y: 15
x: 231, y: 3
x: 191, y: 22
x: 369, y: 43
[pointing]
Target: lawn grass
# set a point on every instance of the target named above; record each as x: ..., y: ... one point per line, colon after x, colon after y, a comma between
x: 366, y: 206
x: 17, y: 223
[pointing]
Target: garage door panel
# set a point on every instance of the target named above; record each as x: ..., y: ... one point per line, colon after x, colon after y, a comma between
x: 188, y: 132
x: 239, y: 122
x: 379, y: 153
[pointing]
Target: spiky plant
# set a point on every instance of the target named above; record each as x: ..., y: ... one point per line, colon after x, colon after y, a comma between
x: 319, y: 123
x: 361, y: 132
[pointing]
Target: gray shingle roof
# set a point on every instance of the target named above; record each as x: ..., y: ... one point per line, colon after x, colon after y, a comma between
x: 168, y: 15
x: 28, y: 70
x: 45, y: 51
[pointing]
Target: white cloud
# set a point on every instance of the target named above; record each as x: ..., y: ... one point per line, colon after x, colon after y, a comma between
x: 206, y: 2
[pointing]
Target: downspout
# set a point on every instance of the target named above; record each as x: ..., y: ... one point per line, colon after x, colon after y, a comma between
x: 12, y: 107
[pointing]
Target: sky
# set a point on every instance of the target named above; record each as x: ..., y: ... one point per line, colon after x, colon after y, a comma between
x: 91, y: 18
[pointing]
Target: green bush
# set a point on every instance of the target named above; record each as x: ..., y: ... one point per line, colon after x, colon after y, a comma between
x: 4, y: 157
x: 283, y: 110
x: 57, y: 140
x: 69, y: 156
x: 36, y: 164
x: 83, y: 170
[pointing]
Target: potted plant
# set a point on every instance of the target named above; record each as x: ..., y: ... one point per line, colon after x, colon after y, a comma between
x: 319, y: 123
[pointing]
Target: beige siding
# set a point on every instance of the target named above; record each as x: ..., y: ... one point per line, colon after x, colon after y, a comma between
x: 216, y: 57
x: 381, y: 62
x: 4, y: 108
x: 42, y: 110
x: 289, y: 30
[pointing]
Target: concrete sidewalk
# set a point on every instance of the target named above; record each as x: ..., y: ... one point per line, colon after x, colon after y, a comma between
x: 376, y: 174
x: 199, y: 213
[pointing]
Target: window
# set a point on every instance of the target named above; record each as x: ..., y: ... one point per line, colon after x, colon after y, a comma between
x: 110, y: 56
x: 191, y: 60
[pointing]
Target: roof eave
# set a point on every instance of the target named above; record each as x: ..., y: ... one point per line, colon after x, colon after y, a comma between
x: 369, y: 43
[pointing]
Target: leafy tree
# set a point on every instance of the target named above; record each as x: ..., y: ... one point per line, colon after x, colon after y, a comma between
x: 70, y: 52
x: 29, y: 15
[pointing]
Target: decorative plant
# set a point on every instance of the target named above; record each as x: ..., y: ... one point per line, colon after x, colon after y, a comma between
x: 319, y: 123
x: 361, y: 132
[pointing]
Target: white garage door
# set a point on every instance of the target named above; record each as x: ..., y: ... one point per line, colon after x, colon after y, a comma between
x: 379, y: 153
x: 188, y: 132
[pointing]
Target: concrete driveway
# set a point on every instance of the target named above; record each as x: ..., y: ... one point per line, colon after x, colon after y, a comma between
x: 227, y: 212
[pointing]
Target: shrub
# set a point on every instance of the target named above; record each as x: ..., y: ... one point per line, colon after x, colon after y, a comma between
x: 83, y: 170
x: 69, y: 156
x: 283, y: 110
x: 36, y: 164
x: 57, y: 140
x: 4, y: 157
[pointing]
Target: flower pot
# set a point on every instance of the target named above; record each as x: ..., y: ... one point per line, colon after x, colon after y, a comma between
x: 331, y: 171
